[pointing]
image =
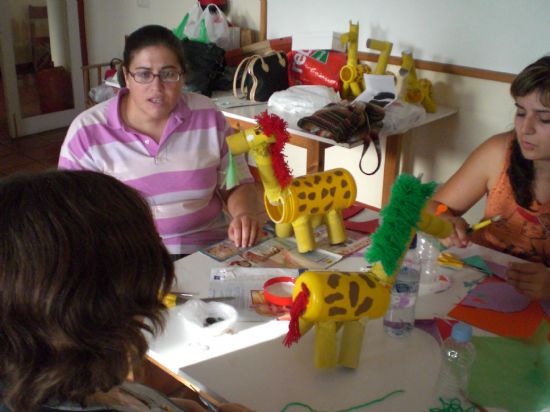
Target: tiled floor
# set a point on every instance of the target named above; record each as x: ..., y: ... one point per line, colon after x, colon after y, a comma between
x: 30, y: 153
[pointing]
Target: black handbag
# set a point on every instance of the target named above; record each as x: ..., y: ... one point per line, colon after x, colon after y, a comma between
x: 205, y: 66
x: 261, y: 76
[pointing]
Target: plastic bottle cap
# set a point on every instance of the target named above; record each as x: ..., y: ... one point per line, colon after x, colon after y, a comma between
x: 462, y: 332
x: 278, y: 290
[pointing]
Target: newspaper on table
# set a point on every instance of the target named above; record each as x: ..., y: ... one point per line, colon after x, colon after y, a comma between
x: 283, y: 253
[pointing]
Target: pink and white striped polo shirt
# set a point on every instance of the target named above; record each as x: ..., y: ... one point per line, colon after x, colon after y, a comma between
x: 179, y: 176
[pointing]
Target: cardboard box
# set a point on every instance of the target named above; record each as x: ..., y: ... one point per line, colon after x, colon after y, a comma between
x: 314, y: 40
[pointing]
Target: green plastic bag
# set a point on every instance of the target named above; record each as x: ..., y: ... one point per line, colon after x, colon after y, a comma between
x: 178, y: 31
x: 192, y: 26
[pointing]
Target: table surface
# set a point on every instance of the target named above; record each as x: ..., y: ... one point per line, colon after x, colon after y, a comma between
x: 252, y: 367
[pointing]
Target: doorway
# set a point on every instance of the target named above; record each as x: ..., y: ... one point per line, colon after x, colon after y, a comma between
x: 40, y: 61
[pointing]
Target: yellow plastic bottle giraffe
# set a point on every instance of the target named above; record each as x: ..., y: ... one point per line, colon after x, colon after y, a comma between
x: 295, y: 204
x: 352, y: 72
x: 331, y: 299
x: 416, y: 90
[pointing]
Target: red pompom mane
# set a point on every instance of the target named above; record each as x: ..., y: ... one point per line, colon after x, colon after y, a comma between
x: 273, y: 125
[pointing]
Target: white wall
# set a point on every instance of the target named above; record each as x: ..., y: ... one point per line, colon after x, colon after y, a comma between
x: 108, y: 21
x: 500, y: 35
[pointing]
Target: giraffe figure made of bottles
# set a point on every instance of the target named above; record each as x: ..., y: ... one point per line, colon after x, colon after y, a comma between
x: 333, y: 300
x: 416, y: 90
x: 295, y: 205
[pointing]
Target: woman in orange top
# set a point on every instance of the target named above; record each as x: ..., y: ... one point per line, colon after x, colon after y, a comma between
x: 513, y: 170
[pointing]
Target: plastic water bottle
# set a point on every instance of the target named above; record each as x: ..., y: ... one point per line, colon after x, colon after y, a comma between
x: 428, y: 253
x: 458, y: 354
x: 399, y: 318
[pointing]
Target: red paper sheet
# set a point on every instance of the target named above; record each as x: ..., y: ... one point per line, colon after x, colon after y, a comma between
x: 515, y: 324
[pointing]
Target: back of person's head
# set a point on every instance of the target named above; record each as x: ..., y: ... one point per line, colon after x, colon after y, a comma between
x: 82, y: 272
x: 534, y: 78
x: 152, y: 35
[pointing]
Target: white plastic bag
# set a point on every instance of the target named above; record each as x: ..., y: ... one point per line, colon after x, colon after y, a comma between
x: 401, y: 116
x: 192, y: 26
x: 206, y: 319
x: 101, y: 93
x: 299, y: 101
x: 217, y: 27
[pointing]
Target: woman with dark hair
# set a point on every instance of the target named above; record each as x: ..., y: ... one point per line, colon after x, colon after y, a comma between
x: 168, y: 145
x: 513, y: 170
x: 82, y: 276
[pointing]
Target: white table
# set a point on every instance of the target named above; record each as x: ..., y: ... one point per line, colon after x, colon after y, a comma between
x: 253, y: 367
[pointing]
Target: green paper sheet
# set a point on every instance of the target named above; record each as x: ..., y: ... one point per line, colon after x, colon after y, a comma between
x: 511, y: 374
x: 478, y: 262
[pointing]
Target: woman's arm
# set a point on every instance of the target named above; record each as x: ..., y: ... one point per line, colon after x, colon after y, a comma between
x: 243, y: 204
x: 469, y: 184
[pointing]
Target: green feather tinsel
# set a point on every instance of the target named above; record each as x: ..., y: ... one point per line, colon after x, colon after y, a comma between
x: 391, y: 240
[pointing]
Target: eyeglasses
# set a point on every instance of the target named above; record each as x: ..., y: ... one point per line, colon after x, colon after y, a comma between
x: 147, y: 76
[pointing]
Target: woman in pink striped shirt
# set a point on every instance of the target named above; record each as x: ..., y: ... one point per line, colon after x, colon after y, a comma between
x: 168, y: 145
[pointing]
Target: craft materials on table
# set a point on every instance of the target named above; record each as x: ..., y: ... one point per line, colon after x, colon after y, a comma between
x: 450, y: 260
x: 511, y: 374
x: 496, y: 307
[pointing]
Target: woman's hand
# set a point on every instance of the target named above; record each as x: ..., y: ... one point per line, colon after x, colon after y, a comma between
x: 459, y: 237
x: 530, y: 279
x: 243, y: 230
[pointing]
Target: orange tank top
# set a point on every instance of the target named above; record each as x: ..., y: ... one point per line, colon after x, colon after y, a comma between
x: 520, y: 232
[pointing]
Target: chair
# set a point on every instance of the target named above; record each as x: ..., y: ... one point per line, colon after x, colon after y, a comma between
x: 94, y: 74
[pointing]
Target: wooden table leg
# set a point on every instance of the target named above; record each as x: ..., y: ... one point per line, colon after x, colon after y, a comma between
x: 391, y: 165
x: 315, y: 160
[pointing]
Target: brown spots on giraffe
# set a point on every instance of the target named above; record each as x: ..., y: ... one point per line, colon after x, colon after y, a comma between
x: 296, y: 183
x: 314, y: 210
x: 335, y: 311
x: 302, y: 208
x: 369, y: 281
x: 308, y: 184
x: 302, y: 195
x: 327, y: 207
x: 364, y: 306
x: 316, y: 179
x: 344, y: 183
x: 311, y: 196
x: 338, y: 173
x: 334, y: 297
x: 329, y: 179
x: 347, y: 194
x: 332, y: 191
x: 333, y: 280
x: 324, y: 193
x: 353, y: 293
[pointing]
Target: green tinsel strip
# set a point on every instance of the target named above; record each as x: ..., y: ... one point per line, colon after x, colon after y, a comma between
x: 391, y: 240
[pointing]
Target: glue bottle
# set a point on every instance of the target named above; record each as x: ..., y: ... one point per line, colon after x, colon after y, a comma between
x: 458, y: 354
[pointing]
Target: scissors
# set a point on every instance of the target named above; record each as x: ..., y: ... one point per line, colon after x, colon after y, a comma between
x: 451, y: 260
